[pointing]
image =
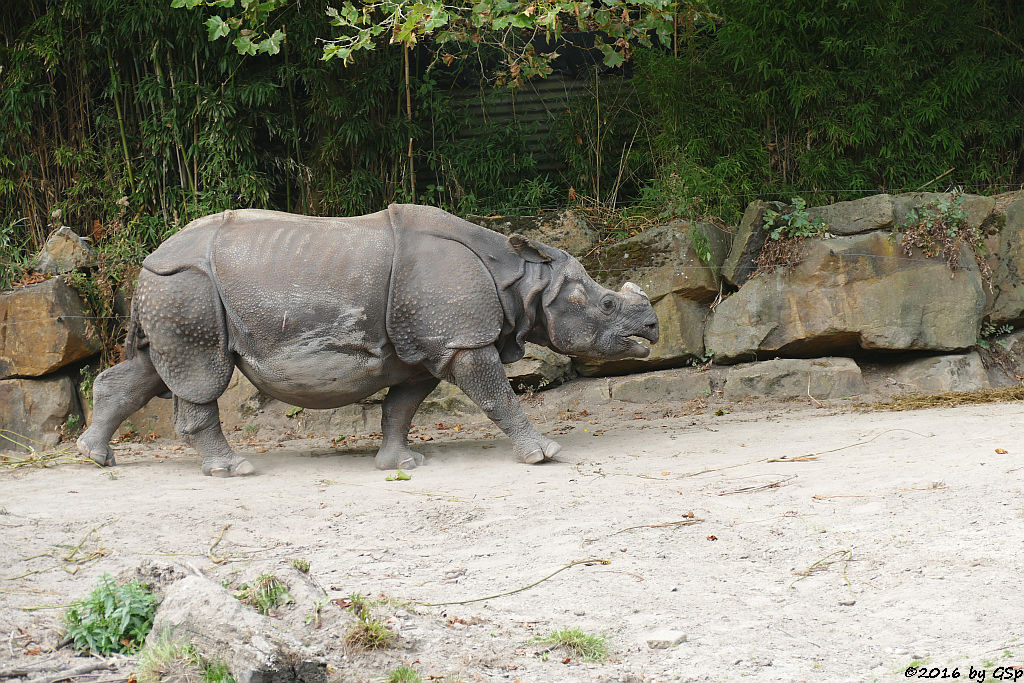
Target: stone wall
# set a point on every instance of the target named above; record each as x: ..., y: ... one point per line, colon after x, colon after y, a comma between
x: 853, y: 300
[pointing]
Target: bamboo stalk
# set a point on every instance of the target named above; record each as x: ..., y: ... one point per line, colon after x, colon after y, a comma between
x: 408, y: 111
x: 120, y: 124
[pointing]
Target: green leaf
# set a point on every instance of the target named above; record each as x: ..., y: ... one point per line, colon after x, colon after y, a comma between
x: 272, y: 45
x: 612, y: 58
x: 244, y: 45
x: 218, y: 28
x: 399, y: 475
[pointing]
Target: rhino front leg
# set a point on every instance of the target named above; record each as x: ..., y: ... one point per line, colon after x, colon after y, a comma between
x: 399, y: 406
x: 199, y: 425
x: 481, y: 376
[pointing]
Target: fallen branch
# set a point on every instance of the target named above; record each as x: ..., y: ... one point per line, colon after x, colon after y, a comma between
x: 751, y: 489
x: 71, y: 673
x: 587, y: 562
x: 682, y: 522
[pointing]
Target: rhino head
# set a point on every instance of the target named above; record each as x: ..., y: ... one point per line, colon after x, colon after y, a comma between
x: 580, y: 318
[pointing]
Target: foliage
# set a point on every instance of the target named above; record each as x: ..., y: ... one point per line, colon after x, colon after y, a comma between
x: 701, y: 245
x: 578, y: 643
x: 300, y: 564
x: 940, y: 228
x: 404, y: 674
x: 114, y: 618
x: 794, y: 223
x: 167, y: 660
x: 265, y: 594
x: 990, y: 330
x: 368, y: 633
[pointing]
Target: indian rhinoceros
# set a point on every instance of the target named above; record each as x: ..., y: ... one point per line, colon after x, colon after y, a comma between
x: 323, y: 312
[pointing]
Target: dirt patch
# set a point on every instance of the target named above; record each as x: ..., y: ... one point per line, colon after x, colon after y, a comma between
x: 784, y: 542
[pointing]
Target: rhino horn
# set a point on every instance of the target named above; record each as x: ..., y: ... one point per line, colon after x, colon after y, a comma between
x: 634, y: 289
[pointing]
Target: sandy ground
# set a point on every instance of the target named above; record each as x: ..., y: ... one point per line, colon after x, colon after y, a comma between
x: 897, y: 544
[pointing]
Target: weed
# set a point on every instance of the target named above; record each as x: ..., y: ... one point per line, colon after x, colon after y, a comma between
x: 72, y: 426
x: 114, y: 618
x: 404, y: 674
x: 301, y: 564
x: 796, y: 223
x: 167, y: 660
x: 367, y: 633
x: 940, y: 228
x: 266, y: 593
x: 577, y: 643
x: 704, y: 361
x: 989, y: 330
x: 314, y: 616
x: 250, y: 431
x: 87, y: 378
x: 700, y: 244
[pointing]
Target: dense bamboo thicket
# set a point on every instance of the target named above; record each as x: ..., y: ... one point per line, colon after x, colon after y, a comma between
x: 120, y: 119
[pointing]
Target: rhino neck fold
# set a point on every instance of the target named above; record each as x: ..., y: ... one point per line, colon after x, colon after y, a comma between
x: 523, y: 304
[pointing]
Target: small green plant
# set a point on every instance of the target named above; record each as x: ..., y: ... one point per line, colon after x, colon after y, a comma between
x: 314, y: 617
x: 577, y: 643
x: 301, y: 564
x: 796, y: 223
x: 704, y: 360
x: 87, y: 378
x: 940, y: 228
x: 404, y: 674
x: 399, y: 475
x: 293, y: 411
x: 266, y: 593
x: 368, y: 633
x: 114, y: 618
x: 701, y: 245
x: 250, y: 431
x: 166, y: 660
x: 72, y: 426
x: 989, y: 330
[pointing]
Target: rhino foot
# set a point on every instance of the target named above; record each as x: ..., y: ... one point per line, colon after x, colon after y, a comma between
x: 100, y: 453
x: 538, y: 455
x: 398, y: 458
x: 234, y: 466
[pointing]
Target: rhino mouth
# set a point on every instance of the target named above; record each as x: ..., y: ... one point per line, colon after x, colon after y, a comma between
x: 635, y: 348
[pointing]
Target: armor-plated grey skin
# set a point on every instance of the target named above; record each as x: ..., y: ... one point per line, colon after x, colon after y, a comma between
x: 323, y: 312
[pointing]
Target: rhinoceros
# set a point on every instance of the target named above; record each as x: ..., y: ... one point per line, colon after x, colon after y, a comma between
x: 323, y: 312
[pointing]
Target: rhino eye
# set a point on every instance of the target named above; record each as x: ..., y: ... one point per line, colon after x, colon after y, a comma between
x: 608, y: 304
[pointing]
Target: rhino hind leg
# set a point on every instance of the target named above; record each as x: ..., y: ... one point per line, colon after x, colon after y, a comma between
x: 117, y: 393
x: 199, y: 425
x: 481, y: 376
x: 399, y: 406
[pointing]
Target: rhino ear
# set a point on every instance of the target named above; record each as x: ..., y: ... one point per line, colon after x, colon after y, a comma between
x: 528, y: 249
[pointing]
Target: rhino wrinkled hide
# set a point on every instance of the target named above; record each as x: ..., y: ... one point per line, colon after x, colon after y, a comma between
x: 323, y: 312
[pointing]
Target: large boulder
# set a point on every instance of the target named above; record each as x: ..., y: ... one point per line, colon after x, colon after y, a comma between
x: 819, y: 378
x: 44, y: 327
x: 197, y: 612
x: 539, y: 369
x: 1005, y: 243
x: 940, y: 374
x: 566, y: 230
x: 680, y: 258
x: 747, y: 243
x: 857, y: 216
x: 32, y: 411
x: 63, y: 252
x: 848, y: 293
x: 679, y: 385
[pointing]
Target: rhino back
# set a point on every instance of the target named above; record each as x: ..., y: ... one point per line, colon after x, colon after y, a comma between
x: 295, y: 279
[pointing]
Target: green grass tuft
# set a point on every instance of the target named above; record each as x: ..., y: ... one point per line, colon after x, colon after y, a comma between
x: 578, y: 644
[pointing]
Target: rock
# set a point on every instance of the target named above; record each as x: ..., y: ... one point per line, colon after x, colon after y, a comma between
x: 821, y: 378
x: 579, y: 394
x: 36, y: 409
x: 747, y: 243
x: 682, y: 340
x: 939, y: 374
x: 664, y: 260
x: 197, y: 611
x: 44, y: 327
x: 978, y: 208
x: 1005, y: 245
x: 860, y: 215
x: 848, y: 293
x: 538, y: 369
x: 666, y: 385
x: 566, y: 230
x: 63, y: 252
x: 664, y: 639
